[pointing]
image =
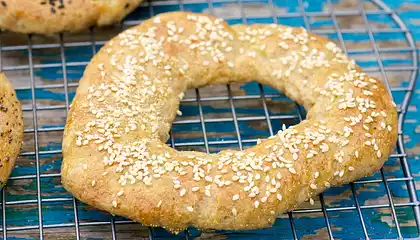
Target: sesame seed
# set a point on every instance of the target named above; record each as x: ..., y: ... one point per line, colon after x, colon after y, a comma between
x: 379, y: 154
x: 235, y: 197
x: 234, y: 212
x: 383, y: 125
x: 114, y: 204
x: 383, y: 114
x: 311, y: 201
x: 313, y: 186
x: 190, y: 209
x: 256, y: 204
x: 279, y: 196
x: 292, y: 170
x: 93, y: 183
x: 182, y: 192
x: 159, y: 204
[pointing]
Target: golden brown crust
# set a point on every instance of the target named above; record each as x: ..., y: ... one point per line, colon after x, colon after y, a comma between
x: 115, y: 157
x: 11, y: 128
x: 46, y: 16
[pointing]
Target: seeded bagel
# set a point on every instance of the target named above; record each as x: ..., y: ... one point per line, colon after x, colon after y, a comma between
x: 116, y: 159
x: 11, y: 129
x: 51, y: 16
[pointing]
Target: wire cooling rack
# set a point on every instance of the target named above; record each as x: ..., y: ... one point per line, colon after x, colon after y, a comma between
x: 45, y: 71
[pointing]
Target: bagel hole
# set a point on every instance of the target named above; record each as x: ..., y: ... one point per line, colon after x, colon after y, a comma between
x: 229, y: 111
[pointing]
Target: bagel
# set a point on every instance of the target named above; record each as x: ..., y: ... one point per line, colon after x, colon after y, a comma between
x: 11, y: 129
x: 116, y: 159
x: 52, y: 16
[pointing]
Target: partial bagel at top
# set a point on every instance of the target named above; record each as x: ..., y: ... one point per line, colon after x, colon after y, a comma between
x: 116, y: 159
x: 47, y: 17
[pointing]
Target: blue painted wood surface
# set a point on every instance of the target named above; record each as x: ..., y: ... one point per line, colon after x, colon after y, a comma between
x: 50, y: 94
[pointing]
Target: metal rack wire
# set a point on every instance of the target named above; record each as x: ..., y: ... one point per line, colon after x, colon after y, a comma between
x: 39, y: 227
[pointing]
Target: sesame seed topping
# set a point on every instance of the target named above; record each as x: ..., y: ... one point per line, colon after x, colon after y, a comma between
x: 234, y: 212
x: 120, y: 193
x: 235, y: 197
x: 311, y: 201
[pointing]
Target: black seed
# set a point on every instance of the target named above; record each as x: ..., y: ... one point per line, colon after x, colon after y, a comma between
x: 3, y: 109
x: 61, y: 5
x: 127, y: 5
x: 3, y: 3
